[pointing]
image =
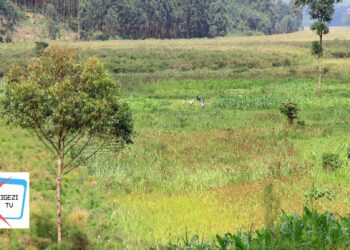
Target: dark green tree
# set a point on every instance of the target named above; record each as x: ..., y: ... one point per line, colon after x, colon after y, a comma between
x: 290, y: 110
x: 9, y: 17
x: 219, y: 21
x: 288, y: 24
x: 52, y: 22
x: 74, y: 109
x: 139, y: 19
x: 322, y: 12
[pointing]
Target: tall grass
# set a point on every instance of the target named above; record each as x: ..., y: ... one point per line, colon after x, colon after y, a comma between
x: 191, y: 169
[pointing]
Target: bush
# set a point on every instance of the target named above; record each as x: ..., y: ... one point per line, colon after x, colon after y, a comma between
x: 301, y: 123
x: 331, y: 161
x: 102, y: 37
x: 290, y: 110
x: 78, y: 239
x: 39, y: 47
x: 316, y: 193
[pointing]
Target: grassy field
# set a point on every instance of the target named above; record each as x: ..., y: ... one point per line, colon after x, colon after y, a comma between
x: 189, y: 170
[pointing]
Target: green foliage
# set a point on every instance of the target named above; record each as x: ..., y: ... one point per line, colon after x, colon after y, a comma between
x: 301, y: 123
x: 73, y: 108
x: 290, y: 110
x: 39, y: 47
x: 219, y: 21
x: 9, y: 17
x: 78, y: 239
x: 53, y: 21
x: 331, y: 161
x: 44, y: 225
x: 78, y: 98
x: 188, y: 243
x: 316, y: 48
x: 311, y: 230
x: 320, y: 27
x: 187, y: 165
x: 322, y: 12
x: 178, y: 19
x: 316, y: 193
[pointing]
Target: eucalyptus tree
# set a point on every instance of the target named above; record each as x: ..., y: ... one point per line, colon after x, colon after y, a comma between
x: 321, y: 11
x: 9, y: 17
x: 74, y: 108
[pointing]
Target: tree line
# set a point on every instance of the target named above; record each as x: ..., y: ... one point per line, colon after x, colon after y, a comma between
x: 9, y: 16
x: 139, y: 19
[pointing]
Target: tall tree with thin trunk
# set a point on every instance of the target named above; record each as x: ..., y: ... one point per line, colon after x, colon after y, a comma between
x: 322, y: 12
x: 74, y: 108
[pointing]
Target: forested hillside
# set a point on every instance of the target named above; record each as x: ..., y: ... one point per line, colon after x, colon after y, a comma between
x: 138, y: 19
x: 9, y: 16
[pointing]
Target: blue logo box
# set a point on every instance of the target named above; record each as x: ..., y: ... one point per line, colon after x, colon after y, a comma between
x: 18, y: 182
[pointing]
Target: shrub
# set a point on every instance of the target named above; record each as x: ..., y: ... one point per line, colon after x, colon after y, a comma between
x: 331, y: 161
x: 78, y: 239
x: 301, y: 123
x: 290, y: 110
x: 348, y: 154
x: 102, y: 37
x: 39, y: 47
x: 316, y: 193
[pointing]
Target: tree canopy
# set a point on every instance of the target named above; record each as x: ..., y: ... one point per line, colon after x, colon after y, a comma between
x: 138, y: 19
x: 9, y: 16
x: 322, y: 12
x: 74, y: 108
x: 59, y: 98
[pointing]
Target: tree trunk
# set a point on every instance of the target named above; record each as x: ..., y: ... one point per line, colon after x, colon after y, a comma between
x: 320, y: 73
x: 59, y: 187
x: 78, y: 18
x: 290, y: 121
x: 78, y: 31
x: 320, y: 76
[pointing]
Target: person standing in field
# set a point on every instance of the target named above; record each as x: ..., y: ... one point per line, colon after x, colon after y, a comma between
x: 201, y: 101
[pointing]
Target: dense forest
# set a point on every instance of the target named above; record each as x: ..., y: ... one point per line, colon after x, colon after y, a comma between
x: 9, y: 16
x: 139, y: 19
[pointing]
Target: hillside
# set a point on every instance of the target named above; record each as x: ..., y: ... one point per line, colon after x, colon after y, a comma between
x: 161, y: 19
x: 189, y: 170
x: 33, y: 27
